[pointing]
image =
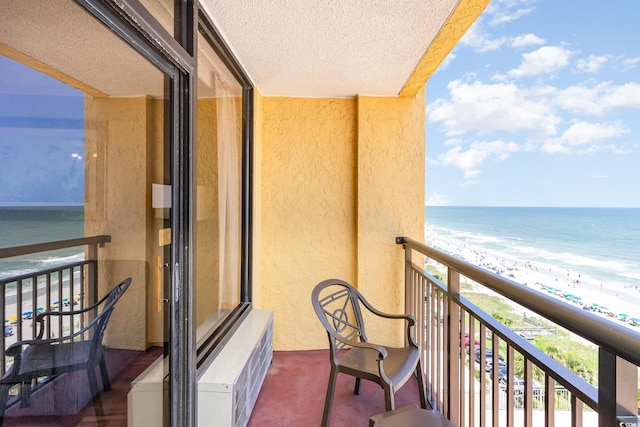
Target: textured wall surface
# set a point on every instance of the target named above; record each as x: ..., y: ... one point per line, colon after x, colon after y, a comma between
x: 340, y: 179
x: 391, y: 169
x: 120, y: 136
x: 308, y: 209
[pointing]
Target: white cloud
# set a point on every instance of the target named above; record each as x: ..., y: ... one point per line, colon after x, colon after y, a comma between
x: 623, y: 96
x: 598, y: 99
x: 593, y: 63
x: 480, y: 151
x: 484, y: 108
x: 436, y: 199
x: 526, y: 40
x: 629, y: 63
x: 480, y: 41
x: 584, y: 138
x: 477, y: 39
x: 503, y: 11
x: 547, y: 59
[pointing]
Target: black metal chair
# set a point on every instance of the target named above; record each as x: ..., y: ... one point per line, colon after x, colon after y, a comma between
x: 338, y: 306
x: 82, y: 350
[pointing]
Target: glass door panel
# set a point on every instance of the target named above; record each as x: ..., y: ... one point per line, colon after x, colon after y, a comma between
x: 219, y: 192
x: 84, y: 122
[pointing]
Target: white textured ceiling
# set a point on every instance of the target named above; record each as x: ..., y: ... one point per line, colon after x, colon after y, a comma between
x: 329, y: 48
x: 299, y: 48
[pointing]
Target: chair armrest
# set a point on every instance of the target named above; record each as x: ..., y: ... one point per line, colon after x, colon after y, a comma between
x: 407, y: 317
x: 382, y: 352
x: 16, y: 348
x: 411, y: 320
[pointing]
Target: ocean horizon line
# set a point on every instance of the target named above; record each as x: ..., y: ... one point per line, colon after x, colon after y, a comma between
x: 41, y: 204
x: 531, y: 207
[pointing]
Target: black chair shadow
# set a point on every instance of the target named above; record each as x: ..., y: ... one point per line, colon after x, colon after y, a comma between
x: 81, y: 350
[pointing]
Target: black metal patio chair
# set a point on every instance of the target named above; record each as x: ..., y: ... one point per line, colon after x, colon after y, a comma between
x: 338, y: 306
x: 81, y: 350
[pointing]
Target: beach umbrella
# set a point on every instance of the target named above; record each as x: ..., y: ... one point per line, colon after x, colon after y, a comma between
x: 623, y: 315
x: 13, y: 318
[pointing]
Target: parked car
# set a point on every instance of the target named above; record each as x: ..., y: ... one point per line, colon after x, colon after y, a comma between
x: 501, y: 365
x: 502, y: 372
x: 518, y: 384
x: 467, y: 340
x: 488, y: 354
x: 8, y: 331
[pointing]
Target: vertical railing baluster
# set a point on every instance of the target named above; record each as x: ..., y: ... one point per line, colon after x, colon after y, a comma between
x: 3, y: 315
x: 60, y: 303
x: 549, y: 401
x: 495, y: 384
x: 452, y: 324
x: 72, y: 319
x: 470, y: 381
x: 436, y: 349
x: 48, y: 302
x: 511, y: 401
x: 528, y: 392
x: 34, y: 304
x: 19, y: 309
x: 482, y: 391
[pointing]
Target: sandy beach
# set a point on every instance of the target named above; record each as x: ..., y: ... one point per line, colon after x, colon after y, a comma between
x: 552, y: 279
x: 64, y: 299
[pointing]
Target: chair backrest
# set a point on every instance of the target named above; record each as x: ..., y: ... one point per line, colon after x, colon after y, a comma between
x: 337, y: 305
x: 102, y: 319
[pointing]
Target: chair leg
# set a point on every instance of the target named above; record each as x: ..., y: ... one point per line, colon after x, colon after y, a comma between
x: 4, y: 397
x: 93, y: 381
x: 421, y: 388
x: 25, y: 393
x: 328, y: 403
x: 389, y: 398
x: 356, y: 390
x: 106, y: 382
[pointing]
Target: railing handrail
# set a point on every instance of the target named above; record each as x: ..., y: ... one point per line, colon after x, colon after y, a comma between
x: 50, y: 246
x: 615, y: 338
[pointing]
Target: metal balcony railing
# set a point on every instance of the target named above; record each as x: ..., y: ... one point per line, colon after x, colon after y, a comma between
x: 460, y: 384
x: 65, y: 287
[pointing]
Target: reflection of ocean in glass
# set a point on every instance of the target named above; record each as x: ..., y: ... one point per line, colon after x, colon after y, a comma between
x: 600, y: 242
x: 27, y: 225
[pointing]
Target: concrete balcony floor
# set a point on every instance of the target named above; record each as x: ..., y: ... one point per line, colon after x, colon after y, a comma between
x: 295, y: 388
x: 293, y: 394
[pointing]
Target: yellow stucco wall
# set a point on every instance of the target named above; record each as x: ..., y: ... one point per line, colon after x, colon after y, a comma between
x: 308, y: 219
x: 122, y: 140
x: 339, y: 179
x: 391, y: 176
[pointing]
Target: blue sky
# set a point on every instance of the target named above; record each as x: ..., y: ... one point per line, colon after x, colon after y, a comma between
x: 539, y: 105
x: 41, y: 138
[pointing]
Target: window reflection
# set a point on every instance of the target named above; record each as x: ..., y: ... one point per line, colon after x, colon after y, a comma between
x: 219, y: 183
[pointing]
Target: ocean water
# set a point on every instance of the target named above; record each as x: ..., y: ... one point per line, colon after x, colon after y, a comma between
x: 603, y: 243
x: 26, y: 225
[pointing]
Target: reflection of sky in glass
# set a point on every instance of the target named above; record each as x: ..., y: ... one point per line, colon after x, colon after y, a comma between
x: 41, y: 138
